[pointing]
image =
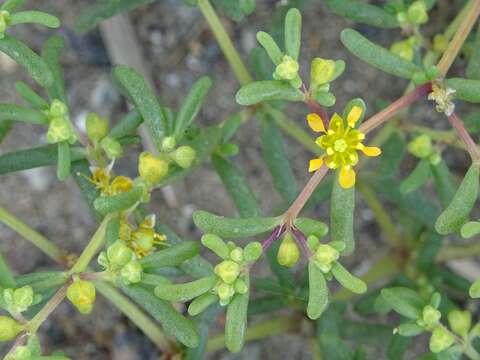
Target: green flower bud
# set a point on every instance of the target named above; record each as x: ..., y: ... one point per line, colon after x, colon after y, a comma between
x: 321, y: 71
x: 18, y: 300
x: 402, y: 18
x: 82, y: 295
x: 132, y: 272
x: 225, y: 293
x: 144, y: 239
x: 440, y: 43
x: 288, y: 252
x: 21, y: 353
x: 168, y: 144
x: 9, y: 328
x: 184, y: 156
x: 60, y: 129
x: 113, y: 149
x: 228, y: 271
x: 421, y: 146
x: 103, y: 259
x: 152, y: 168
x: 460, y: 321
x: 237, y: 254
x: 325, y: 255
x: 417, y: 13
x: 252, y: 251
x: 430, y: 317
x: 287, y: 69
x: 440, y: 340
x: 240, y: 286
x: 403, y: 49
x: 58, y: 109
x: 4, y: 22
x: 216, y: 244
x: 97, y: 127
x: 119, y: 254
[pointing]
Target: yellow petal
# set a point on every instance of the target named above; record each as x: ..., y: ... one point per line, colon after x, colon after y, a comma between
x: 336, y: 124
x: 315, y: 164
x: 371, y: 150
x: 315, y: 122
x: 346, y: 177
x: 354, y: 115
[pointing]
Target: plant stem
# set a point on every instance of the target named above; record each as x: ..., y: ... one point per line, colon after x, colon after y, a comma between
x: 37, y: 239
x: 292, y: 213
x: 225, y: 42
x: 142, y: 321
x: 92, y: 248
x: 445, y: 136
x: 390, y: 111
x: 463, y: 134
x: 45, y: 312
x: 449, y: 252
x: 456, y: 44
x: 260, y: 330
x: 381, y: 215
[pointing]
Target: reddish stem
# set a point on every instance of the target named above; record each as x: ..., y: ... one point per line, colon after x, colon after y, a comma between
x: 274, y: 235
x: 302, y: 241
x: 463, y: 134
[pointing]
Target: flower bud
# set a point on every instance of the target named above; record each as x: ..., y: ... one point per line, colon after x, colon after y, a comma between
x: 120, y: 184
x: 58, y: 109
x: 132, y: 272
x: 403, y: 49
x: 321, y: 71
x: 184, y: 156
x: 240, y: 286
x: 97, y: 127
x: 113, y: 149
x: 4, y: 22
x: 402, y: 18
x: 440, y: 340
x: 430, y: 317
x: 119, y: 254
x: 21, y: 353
x: 440, y: 43
x: 237, y: 254
x: 168, y: 144
x: 460, y: 321
x: 228, y: 271
x: 287, y: 69
x: 252, y: 251
x: 417, y: 13
x: 18, y: 300
x: 9, y: 328
x: 82, y: 295
x: 60, y: 129
x: 144, y: 239
x: 288, y: 252
x: 325, y: 255
x: 225, y: 293
x: 421, y: 146
x: 152, y: 168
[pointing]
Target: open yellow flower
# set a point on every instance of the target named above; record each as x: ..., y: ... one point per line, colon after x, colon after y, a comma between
x: 341, y: 144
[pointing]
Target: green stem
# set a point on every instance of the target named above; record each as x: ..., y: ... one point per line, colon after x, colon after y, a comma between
x: 449, y: 252
x: 142, y: 321
x: 37, y: 239
x: 92, y: 248
x: 225, y: 42
x: 45, y: 312
x: 260, y: 330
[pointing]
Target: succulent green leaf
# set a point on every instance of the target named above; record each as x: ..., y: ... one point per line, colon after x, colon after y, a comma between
x: 474, y: 290
x: 25, y: 57
x: 456, y: 214
x: 127, y: 125
x: 5, y: 127
x: 51, y: 52
x: 465, y: 89
x: 42, y: 281
x: 342, y: 206
x: 171, y: 256
x: 236, y: 320
x: 393, y: 152
x: 10, y: 5
x: 377, y: 56
x: 443, y: 180
x: 317, y: 291
x: 201, y: 303
x: 417, y: 177
x: 270, y: 46
x: 266, y: 90
x: 233, y: 228
x: 23, y: 114
x: 410, y: 329
x: 110, y: 204
x: 311, y: 227
x: 293, y: 33
x: 187, y: 291
x: 216, y: 244
x: 30, y: 96
x: 64, y: 161
x: 6, y: 275
x: 38, y: 17
x: 347, y: 280
x: 144, y: 99
x: 172, y: 321
x: 191, y: 105
x: 473, y: 66
x: 470, y: 229
x: 361, y: 12
x: 113, y: 230
x: 404, y: 301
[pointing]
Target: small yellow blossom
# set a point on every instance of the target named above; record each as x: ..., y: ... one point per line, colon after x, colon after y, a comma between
x: 101, y: 179
x: 341, y: 144
x: 143, y: 239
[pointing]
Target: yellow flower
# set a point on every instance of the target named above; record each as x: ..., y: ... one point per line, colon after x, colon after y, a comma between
x: 101, y: 179
x: 143, y: 240
x: 341, y: 144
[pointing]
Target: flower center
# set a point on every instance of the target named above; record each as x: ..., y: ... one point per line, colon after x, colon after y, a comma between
x: 340, y: 145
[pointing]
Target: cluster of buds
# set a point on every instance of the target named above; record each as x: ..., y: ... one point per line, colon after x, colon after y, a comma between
x: 4, y: 22
x: 19, y: 300
x: 82, y: 294
x: 324, y: 255
x: 97, y: 132
x: 60, y: 128
x: 121, y: 263
x: 442, y: 96
x: 230, y: 271
x: 415, y: 14
x: 287, y: 69
x: 142, y: 239
x: 322, y: 73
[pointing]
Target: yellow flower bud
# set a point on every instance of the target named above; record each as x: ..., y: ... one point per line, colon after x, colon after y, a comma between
x: 97, y: 127
x: 184, y: 156
x: 236, y: 254
x: 321, y: 71
x: 144, y: 239
x: 288, y: 252
x: 440, y: 340
x: 168, y: 144
x: 58, y: 109
x: 132, y: 272
x: 228, y: 271
x: 152, y: 168
x: 460, y: 321
x: 325, y: 255
x: 60, y: 130
x: 225, y: 293
x: 417, y: 12
x: 119, y: 254
x: 403, y: 49
x: 82, y: 295
x: 120, y: 184
x: 287, y: 69
x: 9, y: 328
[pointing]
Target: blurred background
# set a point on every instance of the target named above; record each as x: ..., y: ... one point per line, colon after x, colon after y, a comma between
x: 177, y: 48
